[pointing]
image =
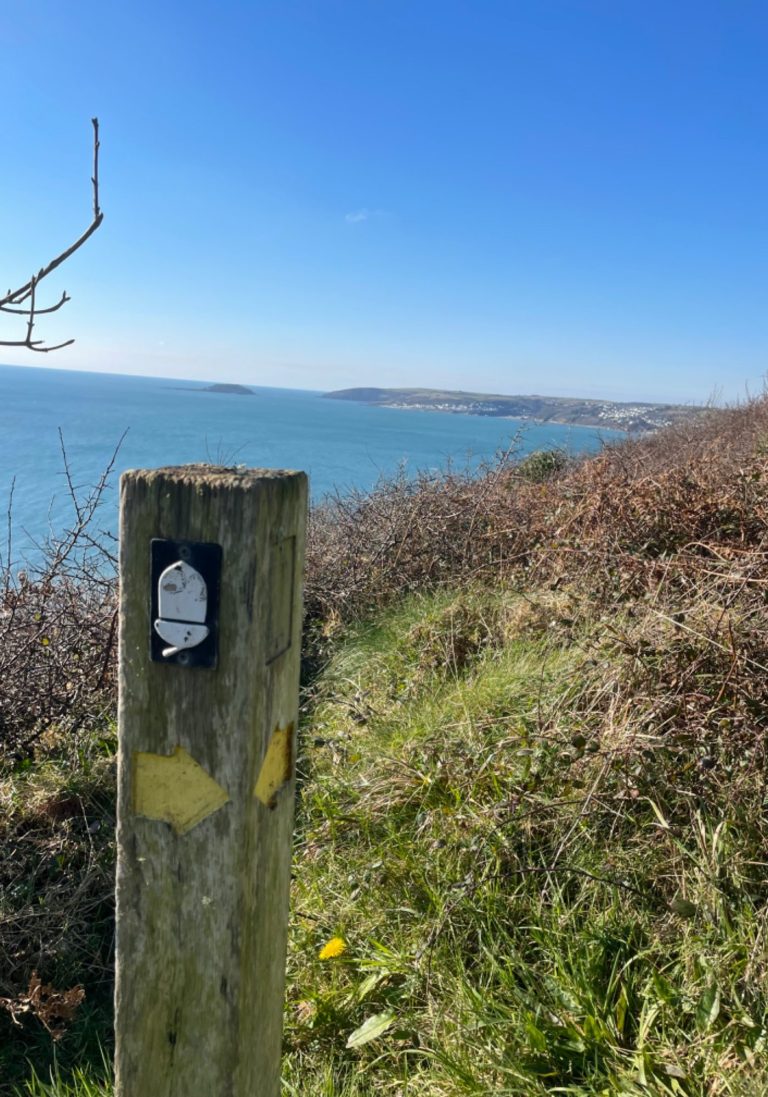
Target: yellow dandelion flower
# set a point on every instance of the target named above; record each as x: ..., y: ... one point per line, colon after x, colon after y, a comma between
x: 333, y: 948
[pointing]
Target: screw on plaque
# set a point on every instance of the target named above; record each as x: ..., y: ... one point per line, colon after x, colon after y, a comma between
x: 182, y: 603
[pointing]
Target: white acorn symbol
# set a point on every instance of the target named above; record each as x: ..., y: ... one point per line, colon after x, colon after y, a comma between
x: 182, y: 598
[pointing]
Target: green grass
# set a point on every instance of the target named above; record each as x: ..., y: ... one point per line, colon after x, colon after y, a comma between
x: 80, y: 1083
x: 482, y: 827
x: 56, y: 900
x: 540, y: 888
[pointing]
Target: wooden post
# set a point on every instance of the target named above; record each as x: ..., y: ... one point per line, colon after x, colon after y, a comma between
x: 206, y: 782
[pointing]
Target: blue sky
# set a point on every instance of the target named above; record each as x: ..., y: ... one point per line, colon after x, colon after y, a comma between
x: 540, y: 196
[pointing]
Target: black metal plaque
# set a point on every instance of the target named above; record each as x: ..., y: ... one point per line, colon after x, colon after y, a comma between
x: 205, y: 558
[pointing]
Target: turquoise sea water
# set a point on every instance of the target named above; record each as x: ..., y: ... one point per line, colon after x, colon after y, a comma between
x: 339, y: 444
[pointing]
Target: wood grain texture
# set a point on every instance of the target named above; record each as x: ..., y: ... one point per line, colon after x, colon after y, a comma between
x: 202, y: 915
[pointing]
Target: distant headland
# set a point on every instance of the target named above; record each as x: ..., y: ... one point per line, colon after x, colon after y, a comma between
x: 633, y: 417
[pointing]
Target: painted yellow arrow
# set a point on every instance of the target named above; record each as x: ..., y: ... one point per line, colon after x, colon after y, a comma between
x: 277, y: 767
x: 174, y: 789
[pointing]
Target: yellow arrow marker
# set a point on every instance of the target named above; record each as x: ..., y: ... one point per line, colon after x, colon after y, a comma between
x: 277, y: 767
x: 174, y: 789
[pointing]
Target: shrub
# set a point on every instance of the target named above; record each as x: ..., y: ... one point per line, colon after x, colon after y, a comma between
x: 542, y: 465
x: 58, y: 630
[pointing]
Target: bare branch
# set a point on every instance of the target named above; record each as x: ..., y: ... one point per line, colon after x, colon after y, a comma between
x: 47, y: 350
x: 6, y: 567
x: 31, y: 322
x: 68, y: 474
x: 27, y: 292
x: 38, y: 312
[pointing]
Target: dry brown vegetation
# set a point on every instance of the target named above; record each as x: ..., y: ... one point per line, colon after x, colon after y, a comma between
x: 684, y: 506
x: 58, y: 629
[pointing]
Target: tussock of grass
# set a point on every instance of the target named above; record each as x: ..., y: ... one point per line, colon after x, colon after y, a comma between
x: 81, y: 1083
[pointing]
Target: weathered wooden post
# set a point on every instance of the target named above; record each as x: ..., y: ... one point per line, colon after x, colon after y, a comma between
x: 210, y: 610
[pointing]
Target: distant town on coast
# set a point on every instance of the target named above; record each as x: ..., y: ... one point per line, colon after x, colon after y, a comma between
x: 634, y: 417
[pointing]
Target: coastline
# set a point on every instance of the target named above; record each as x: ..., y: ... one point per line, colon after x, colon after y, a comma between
x: 584, y: 424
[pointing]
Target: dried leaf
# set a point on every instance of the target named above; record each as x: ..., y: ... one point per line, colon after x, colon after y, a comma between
x: 53, y: 1008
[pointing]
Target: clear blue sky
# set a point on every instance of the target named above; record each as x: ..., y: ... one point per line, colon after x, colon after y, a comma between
x: 538, y: 196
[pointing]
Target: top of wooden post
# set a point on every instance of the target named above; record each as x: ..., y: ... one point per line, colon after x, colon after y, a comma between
x: 218, y: 476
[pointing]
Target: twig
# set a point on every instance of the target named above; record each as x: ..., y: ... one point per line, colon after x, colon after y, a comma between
x: 9, y: 538
x: 68, y: 475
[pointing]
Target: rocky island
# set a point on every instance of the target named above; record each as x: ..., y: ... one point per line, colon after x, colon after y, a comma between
x: 229, y: 390
x: 633, y: 417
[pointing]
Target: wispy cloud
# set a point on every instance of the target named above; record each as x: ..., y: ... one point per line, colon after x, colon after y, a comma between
x: 357, y: 216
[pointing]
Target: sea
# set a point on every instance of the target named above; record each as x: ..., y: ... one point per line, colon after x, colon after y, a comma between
x: 152, y: 421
